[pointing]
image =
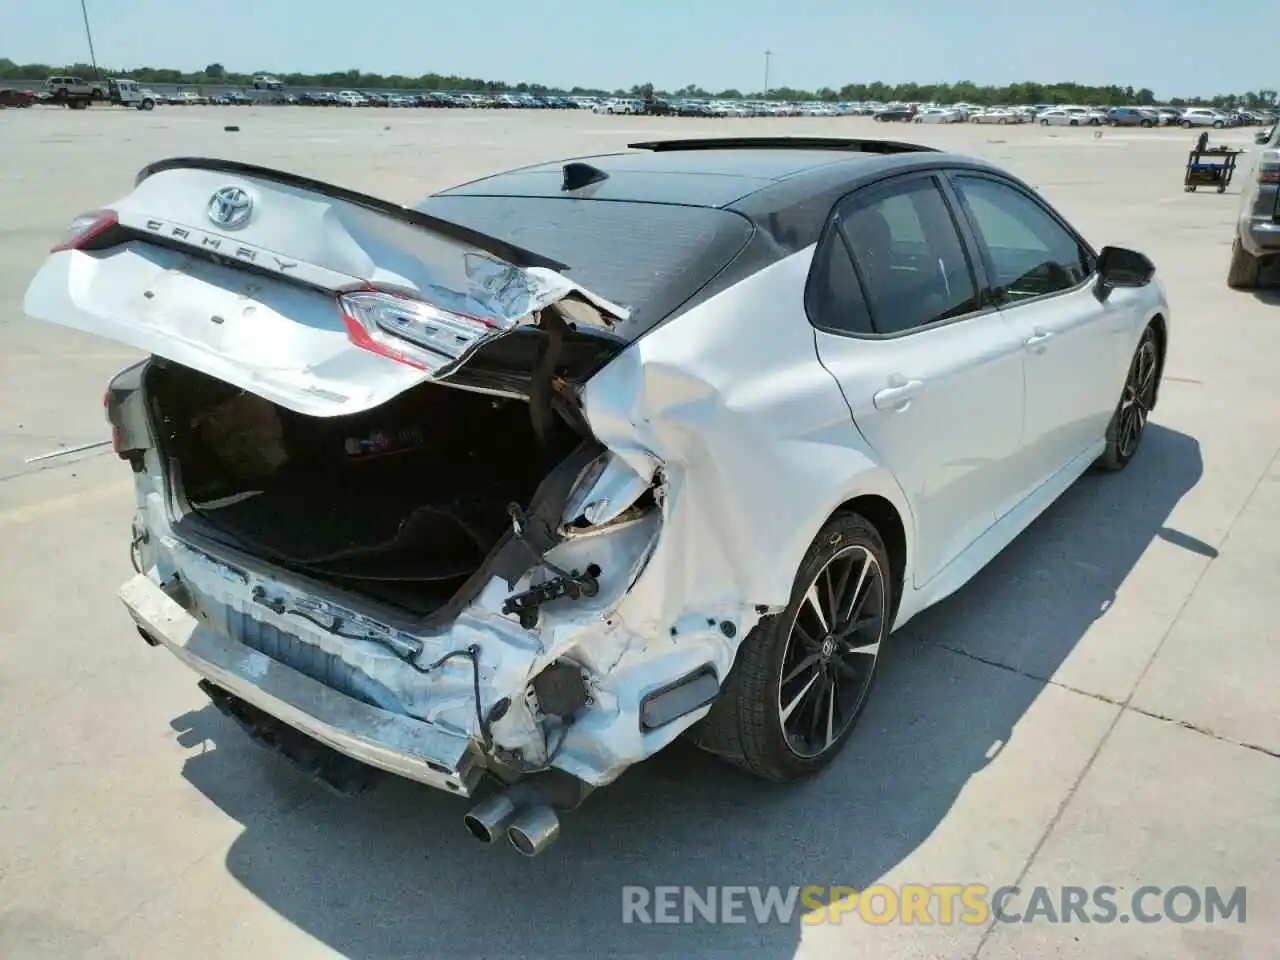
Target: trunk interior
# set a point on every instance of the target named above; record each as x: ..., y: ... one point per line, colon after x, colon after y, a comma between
x: 402, y: 503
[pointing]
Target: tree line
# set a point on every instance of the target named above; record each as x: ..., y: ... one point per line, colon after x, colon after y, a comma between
x: 964, y: 91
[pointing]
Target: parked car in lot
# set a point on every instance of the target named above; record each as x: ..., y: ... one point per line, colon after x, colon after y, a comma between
x: 1202, y: 117
x: 997, y: 115
x: 1257, y: 232
x: 1132, y: 117
x: 1060, y: 117
x: 16, y: 98
x: 894, y: 112
x: 509, y: 491
x: 938, y: 115
x: 350, y: 98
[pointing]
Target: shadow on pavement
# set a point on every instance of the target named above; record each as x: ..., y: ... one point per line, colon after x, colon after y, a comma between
x: 394, y: 874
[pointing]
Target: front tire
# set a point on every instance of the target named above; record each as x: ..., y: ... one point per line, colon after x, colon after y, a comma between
x: 1044, y: 123
x: 1129, y: 422
x: 802, y: 677
x: 1243, y: 272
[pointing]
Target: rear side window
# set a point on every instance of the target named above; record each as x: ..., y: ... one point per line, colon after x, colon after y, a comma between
x: 908, y: 255
x: 834, y: 297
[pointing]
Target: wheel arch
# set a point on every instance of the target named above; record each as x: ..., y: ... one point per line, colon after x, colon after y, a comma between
x: 1161, y: 328
x: 882, y: 514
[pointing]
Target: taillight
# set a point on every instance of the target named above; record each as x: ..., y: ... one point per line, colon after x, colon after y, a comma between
x: 1269, y: 173
x: 409, y: 330
x: 86, y: 228
x: 111, y: 421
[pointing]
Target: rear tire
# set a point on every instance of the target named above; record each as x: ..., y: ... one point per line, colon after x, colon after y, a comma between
x: 1185, y: 124
x: 801, y: 678
x: 1217, y: 124
x: 1137, y: 397
x: 1243, y: 272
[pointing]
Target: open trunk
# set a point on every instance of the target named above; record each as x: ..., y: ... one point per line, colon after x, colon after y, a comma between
x: 301, y: 335
x: 403, y: 502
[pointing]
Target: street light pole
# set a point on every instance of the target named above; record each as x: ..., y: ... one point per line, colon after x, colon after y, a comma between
x: 767, y: 55
x: 93, y: 57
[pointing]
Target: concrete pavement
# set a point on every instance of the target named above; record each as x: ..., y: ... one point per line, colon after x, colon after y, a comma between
x: 1099, y: 707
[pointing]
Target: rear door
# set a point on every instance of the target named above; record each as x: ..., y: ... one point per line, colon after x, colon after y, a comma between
x: 1076, y: 347
x: 933, y: 376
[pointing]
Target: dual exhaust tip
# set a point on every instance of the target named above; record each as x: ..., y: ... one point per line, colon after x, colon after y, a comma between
x: 530, y: 824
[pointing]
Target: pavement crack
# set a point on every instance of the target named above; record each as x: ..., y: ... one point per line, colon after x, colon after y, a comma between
x: 1048, y: 681
x: 1122, y: 704
x: 1205, y: 731
x: 1125, y: 706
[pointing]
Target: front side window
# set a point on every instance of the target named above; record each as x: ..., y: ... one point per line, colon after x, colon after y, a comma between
x: 1031, y: 254
x: 908, y: 255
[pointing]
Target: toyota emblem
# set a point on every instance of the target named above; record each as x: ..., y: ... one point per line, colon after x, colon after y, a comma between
x: 230, y: 207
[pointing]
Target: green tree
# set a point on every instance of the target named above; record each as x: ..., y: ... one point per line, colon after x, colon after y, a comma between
x: 215, y: 71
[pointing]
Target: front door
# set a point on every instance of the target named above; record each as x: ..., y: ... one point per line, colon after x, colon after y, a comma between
x: 1076, y: 346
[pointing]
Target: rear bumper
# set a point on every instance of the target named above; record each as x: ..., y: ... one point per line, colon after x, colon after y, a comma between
x: 1261, y: 237
x: 388, y: 741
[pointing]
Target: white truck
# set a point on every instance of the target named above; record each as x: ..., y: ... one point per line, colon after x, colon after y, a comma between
x: 127, y: 93
x: 77, y: 94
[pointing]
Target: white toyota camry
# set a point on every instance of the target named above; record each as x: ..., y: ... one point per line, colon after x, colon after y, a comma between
x: 505, y: 493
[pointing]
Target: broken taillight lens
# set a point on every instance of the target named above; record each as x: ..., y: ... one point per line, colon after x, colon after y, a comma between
x: 86, y: 228
x: 409, y: 330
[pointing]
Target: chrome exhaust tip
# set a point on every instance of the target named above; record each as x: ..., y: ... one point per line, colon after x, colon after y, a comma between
x: 487, y: 819
x: 535, y: 829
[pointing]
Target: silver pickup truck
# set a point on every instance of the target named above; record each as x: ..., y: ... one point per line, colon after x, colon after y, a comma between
x: 1257, y: 238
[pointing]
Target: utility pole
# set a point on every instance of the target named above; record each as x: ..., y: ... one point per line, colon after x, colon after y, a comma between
x: 767, y: 55
x: 93, y: 57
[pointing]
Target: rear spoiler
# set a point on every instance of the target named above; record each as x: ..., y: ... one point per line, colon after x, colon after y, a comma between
x: 512, y: 254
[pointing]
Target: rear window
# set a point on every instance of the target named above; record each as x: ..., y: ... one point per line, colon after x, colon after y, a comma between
x: 640, y: 255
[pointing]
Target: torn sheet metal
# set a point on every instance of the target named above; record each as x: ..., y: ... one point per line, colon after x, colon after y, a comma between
x: 419, y: 304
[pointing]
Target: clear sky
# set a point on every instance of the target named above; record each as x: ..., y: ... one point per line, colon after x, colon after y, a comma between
x: 1175, y: 47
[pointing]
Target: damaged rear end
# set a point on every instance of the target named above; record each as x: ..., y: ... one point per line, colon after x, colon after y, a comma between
x: 371, y: 514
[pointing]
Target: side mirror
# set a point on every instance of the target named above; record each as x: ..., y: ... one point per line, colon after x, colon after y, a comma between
x: 1119, y: 267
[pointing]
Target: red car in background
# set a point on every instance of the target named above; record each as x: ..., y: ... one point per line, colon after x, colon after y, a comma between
x: 16, y: 98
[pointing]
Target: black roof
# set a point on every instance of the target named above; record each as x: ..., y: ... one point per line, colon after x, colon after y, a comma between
x: 764, y: 178
x: 783, y: 188
x: 703, y: 177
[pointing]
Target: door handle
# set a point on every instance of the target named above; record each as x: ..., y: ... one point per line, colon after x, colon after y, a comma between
x: 898, y: 397
x: 1038, y: 339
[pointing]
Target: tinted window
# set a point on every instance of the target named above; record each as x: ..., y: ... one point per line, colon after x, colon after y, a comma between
x: 635, y: 254
x: 908, y: 255
x: 834, y: 297
x: 1031, y: 253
